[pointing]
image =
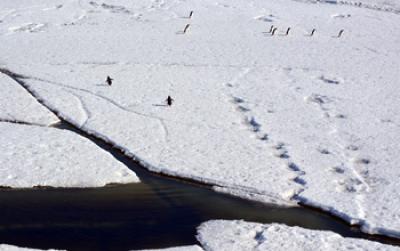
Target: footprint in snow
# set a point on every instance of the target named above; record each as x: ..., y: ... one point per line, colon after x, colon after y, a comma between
x: 340, y: 116
x: 253, y: 124
x: 283, y: 154
x: 352, y: 147
x: 265, y: 137
x: 362, y: 161
x: 281, y: 151
x: 318, y: 99
x: 331, y: 81
x: 237, y: 100
x: 323, y: 151
x: 300, y: 181
x: 279, y: 146
x: 338, y: 169
x: 350, y: 185
x: 292, y: 166
x: 242, y: 108
x: 340, y: 16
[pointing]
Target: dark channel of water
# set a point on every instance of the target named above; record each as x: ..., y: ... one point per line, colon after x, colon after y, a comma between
x: 158, y: 212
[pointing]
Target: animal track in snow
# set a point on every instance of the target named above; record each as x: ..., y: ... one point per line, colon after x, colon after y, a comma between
x: 338, y: 169
x: 323, y: 151
x: 264, y: 137
x: 281, y: 151
x: 276, y: 148
x: 265, y: 18
x: 363, y: 161
x: 111, y: 8
x: 237, y: 100
x: 340, y: 116
x: 352, y: 147
x: 239, y: 104
x: 340, y: 15
x: 59, y: 6
x: 332, y: 81
x: 252, y: 123
x: 318, y: 99
x: 349, y: 185
x: 299, y: 181
x: 243, y: 108
x: 28, y: 27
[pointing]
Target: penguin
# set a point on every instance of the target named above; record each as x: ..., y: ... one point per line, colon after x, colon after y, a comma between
x: 169, y: 100
x: 312, y: 32
x: 109, y: 80
x: 270, y: 30
x: 287, y: 31
x: 340, y: 33
x: 273, y: 31
x: 191, y: 14
x: 186, y: 28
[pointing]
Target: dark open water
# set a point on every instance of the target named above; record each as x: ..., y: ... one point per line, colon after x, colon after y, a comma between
x: 159, y: 212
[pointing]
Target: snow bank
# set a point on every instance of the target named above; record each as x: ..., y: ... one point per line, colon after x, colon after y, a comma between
x: 19, y: 106
x: 38, y: 156
x: 239, y: 235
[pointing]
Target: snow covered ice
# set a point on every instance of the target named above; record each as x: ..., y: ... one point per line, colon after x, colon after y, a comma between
x: 38, y: 156
x: 17, y: 105
x: 182, y: 248
x: 240, y: 235
x: 4, y: 247
x: 282, y: 119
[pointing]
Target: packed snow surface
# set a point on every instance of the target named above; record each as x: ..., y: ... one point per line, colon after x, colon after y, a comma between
x: 38, y: 156
x: 300, y: 117
x: 17, y: 105
x: 240, y: 235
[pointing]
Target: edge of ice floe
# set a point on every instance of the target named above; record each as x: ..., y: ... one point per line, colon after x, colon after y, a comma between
x: 239, y: 191
x: 364, y: 226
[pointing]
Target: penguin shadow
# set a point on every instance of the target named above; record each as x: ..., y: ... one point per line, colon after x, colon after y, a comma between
x: 179, y: 32
x: 284, y: 34
x: 310, y: 34
x: 159, y: 105
x: 188, y: 16
x: 104, y: 85
x: 267, y: 33
x: 185, y: 17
